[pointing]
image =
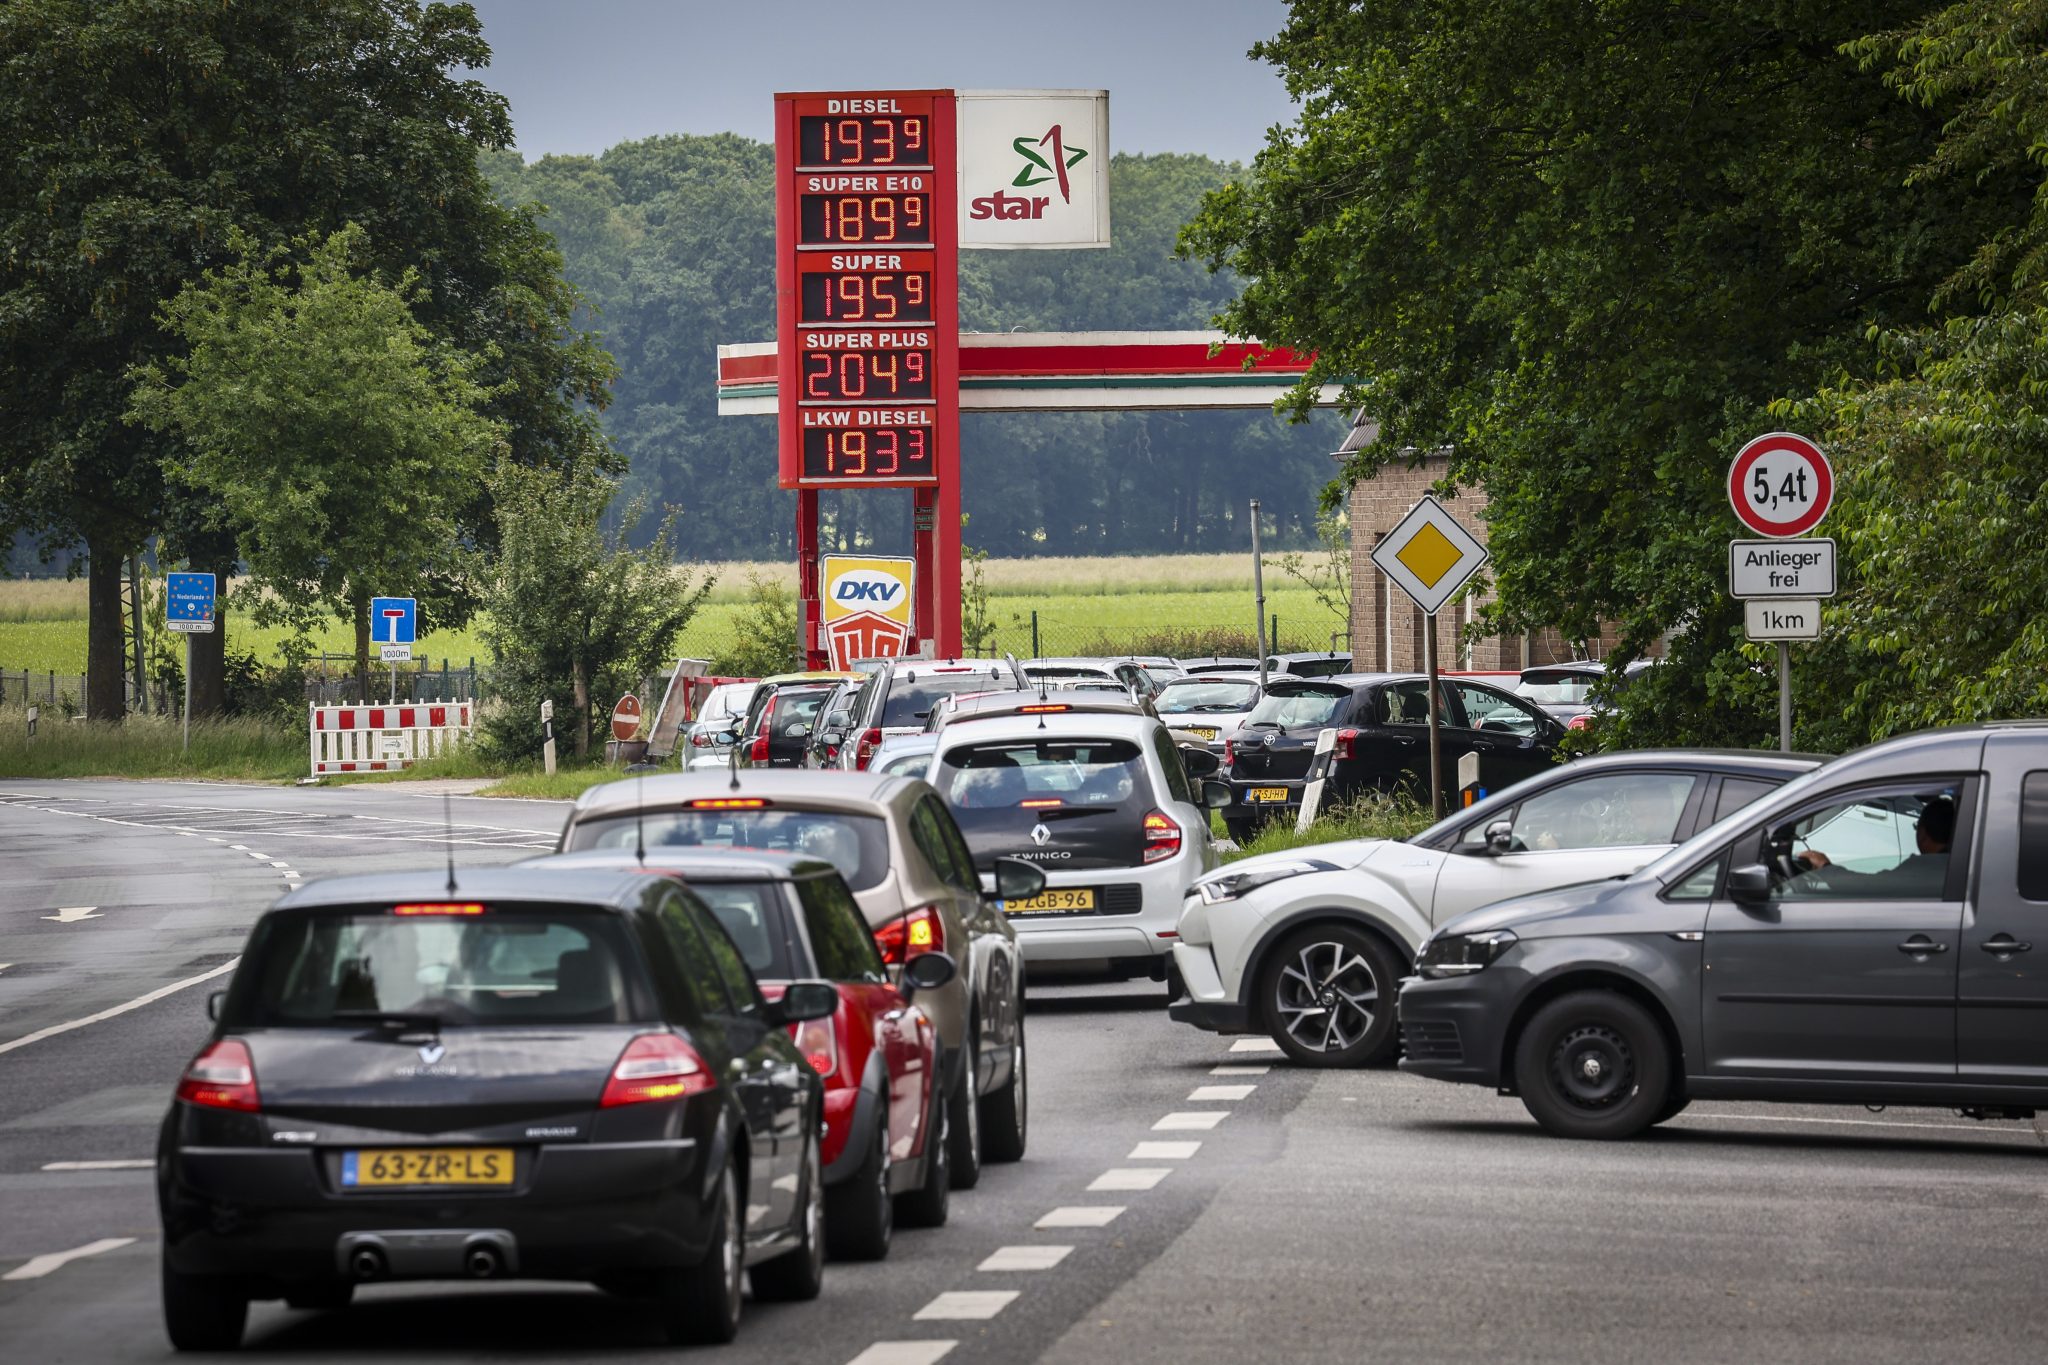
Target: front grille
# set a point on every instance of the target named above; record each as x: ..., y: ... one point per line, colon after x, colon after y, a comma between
x: 1123, y: 900
x: 1432, y: 1040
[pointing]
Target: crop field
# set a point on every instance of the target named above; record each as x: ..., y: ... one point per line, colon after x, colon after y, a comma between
x: 1083, y: 605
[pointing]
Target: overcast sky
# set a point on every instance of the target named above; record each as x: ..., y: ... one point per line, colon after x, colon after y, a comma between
x: 583, y: 75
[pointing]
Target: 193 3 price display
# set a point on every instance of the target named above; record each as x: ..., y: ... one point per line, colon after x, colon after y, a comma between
x: 881, y: 452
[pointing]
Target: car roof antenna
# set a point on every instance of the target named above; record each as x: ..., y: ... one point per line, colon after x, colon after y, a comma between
x: 448, y: 834
x: 639, y: 818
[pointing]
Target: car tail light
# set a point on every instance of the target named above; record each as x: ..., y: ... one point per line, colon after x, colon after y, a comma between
x: 1162, y: 837
x: 1347, y: 745
x: 864, y: 750
x: 656, y: 1066
x: 920, y: 931
x: 439, y: 908
x: 1042, y: 803
x: 1578, y: 722
x: 818, y: 1040
x: 1229, y: 753
x: 757, y: 752
x: 729, y: 803
x: 222, y: 1077
x: 1048, y: 708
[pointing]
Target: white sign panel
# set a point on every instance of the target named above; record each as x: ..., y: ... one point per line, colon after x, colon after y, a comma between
x: 1034, y: 168
x: 1781, y: 568
x: 394, y: 654
x: 1774, y: 620
x: 1429, y: 555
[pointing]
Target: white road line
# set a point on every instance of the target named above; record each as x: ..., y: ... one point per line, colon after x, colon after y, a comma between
x: 1191, y: 1121
x: 1024, y: 1258
x: 1255, y: 1045
x: 1221, y: 1092
x: 275, y: 864
x: 239, y: 848
x: 137, y: 1164
x: 211, y: 840
x: 1081, y: 1216
x: 38, y: 1266
x: 1129, y: 1178
x: 1862, y: 1123
x: 904, y: 1353
x: 137, y: 1003
x: 1239, y: 1070
x: 965, y: 1305
x: 1163, y: 1151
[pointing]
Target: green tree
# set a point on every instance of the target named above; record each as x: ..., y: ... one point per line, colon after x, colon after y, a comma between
x: 764, y: 634
x: 576, y: 615
x: 339, y: 436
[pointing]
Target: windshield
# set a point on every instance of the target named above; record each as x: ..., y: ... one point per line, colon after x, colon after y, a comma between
x: 726, y: 699
x: 1180, y: 698
x: 527, y: 965
x: 1297, y: 708
x: 914, y: 697
x: 751, y: 914
x: 856, y: 844
x: 1051, y: 773
x: 1556, y: 689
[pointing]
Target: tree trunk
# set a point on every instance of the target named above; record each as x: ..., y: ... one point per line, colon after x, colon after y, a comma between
x: 581, y: 697
x: 360, y: 607
x: 209, y: 680
x: 106, y: 661
x: 135, y: 607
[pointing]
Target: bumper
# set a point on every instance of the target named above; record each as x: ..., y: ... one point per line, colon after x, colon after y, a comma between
x: 1242, y: 807
x: 1147, y: 934
x: 1203, y: 1002
x: 1455, y: 1029
x: 576, y: 1212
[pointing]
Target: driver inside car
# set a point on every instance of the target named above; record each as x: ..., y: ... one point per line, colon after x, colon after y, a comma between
x: 1920, y: 875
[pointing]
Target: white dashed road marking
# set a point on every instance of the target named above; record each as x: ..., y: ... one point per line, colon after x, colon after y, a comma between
x: 1163, y: 1151
x: 1239, y: 1070
x: 1025, y: 1258
x: 1255, y: 1045
x: 1129, y: 1178
x: 1221, y: 1092
x: 137, y: 1164
x: 1191, y: 1121
x: 966, y: 1305
x: 37, y: 1267
x: 904, y: 1353
x: 1081, y: 1216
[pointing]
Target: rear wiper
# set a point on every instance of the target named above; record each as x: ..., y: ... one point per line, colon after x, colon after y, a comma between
x: 405, y: 1021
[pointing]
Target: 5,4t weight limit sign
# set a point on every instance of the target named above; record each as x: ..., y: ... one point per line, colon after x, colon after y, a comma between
x: 1781, y: 485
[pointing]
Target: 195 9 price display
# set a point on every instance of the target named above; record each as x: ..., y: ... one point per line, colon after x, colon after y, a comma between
x: 854, y: 296
x: 865, y: 376
x: 892, y: 452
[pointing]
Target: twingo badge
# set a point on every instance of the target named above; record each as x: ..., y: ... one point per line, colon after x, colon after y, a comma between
x: 867, y: 607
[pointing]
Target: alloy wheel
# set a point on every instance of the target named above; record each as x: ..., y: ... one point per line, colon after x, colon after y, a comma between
x: 1326, y: 999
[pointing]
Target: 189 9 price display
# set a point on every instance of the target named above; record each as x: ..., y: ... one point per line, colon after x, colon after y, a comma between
x: 866, y: 376
x: 868, y: 453
x: 846, y: 296
x: 864, y: 219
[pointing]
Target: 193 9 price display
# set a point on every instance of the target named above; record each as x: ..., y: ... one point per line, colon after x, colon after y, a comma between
x: 866, y: 140
x: 894, y: 452
x: 865, y: 376
x: 865, y: 219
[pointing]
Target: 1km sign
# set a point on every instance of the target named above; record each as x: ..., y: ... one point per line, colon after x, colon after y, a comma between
x: 1781, y: 485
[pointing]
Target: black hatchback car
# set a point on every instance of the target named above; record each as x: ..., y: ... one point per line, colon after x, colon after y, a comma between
x: 539, y: 1075
x: 1382, y: 742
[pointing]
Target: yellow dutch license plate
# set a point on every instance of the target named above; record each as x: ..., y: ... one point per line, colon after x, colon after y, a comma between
x: 417, y: 1166
x: 1201, y: 731
x: 1064, y: 899
x: 1258, y: 795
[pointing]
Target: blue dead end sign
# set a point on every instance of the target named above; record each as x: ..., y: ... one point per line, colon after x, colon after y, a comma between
x: 394, y: 626
x: 188, y: 603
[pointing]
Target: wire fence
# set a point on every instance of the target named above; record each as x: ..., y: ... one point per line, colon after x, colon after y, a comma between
x: 328, y: 681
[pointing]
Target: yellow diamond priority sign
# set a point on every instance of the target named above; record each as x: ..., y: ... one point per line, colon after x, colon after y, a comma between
x: 1429, y: 555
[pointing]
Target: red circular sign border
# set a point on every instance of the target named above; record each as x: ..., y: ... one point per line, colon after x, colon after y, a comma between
x: 636, y: 717
x: 1763, y: 445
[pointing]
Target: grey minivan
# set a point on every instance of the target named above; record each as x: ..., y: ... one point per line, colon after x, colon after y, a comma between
x: 1861, y: 936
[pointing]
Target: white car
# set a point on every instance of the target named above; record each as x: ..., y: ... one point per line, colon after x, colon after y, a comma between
x: 723, y: 704
x: 1095, y: 794
x: 1307, y: 945
x: 1208, y: 707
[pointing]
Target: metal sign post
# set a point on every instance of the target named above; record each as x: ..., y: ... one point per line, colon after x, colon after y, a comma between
x: 1258, y: 597
x: 1784, y: 697
x: 189, y: 610
x: 1436, y: 734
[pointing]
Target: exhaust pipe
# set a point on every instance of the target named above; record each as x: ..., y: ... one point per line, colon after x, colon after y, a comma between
x: 367, y: 1263
x: 481, y: 1262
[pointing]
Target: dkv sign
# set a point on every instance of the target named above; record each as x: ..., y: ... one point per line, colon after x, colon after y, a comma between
x: 1034, y: 168
x: 867, y: 607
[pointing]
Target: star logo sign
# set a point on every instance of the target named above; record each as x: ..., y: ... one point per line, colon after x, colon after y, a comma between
x: 1050, y: 164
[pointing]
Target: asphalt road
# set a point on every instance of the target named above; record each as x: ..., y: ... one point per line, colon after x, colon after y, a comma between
x: 1332, y: 1216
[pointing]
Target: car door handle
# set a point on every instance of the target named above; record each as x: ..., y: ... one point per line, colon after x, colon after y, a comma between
x: 2005, y: 945
x: 1920, y: 945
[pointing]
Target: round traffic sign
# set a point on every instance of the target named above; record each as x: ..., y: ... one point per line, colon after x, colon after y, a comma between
x: 1781, y: 485
x: 626, y: 717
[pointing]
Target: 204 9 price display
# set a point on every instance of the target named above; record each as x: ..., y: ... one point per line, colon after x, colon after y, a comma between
x: 864, y: 219
x: 866, y: 376
x: 868, y: 453
x: 869, y: 140
x: 836, y: 296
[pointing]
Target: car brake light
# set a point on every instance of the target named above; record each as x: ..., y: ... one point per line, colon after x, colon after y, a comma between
x: 1042, y: 803
x: 757, y: 752
x: 1229, y: 753
x: 1347, y: 745
x: 1162, y: 837
x: 1043, y: 708
x: 864, y: 751
x: 1578, y: 722
x: 920, y: 931
x: 728, y: 803
x: 656, y: 1066
x: 819, y: 1042
x: 222, y: 1077
x: 439, y: 908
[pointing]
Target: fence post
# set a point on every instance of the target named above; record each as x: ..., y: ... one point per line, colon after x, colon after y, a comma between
x: 53, y: 685
x: 444, y: 678
x: 1035, y: 651
x: 1275, y: 633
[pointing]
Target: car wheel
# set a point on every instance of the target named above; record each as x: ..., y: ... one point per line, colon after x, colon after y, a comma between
x: 799, y: 1273
x: 1674, y: 1105
x: 702, y: 1304
x: 929, y: 1205
x: 1004, y: 1116
x: 1593, y: 1064
x: 203, y: 1312
x: 1327, y: 996
x: 859, y: 1212
x: 324, y: 1296
x: 963, y: 1126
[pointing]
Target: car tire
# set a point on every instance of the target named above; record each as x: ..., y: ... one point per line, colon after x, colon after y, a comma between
x: 1005, y: 1115
x: 203, y: 1312
x: 963, y: 1124
x: 325, y: 1296
x: 1326, y: 996
x: 701, y: 1305
x: 860, y: 1214
x: 930, y: 1204
x: 799, y: 1273
x: 1674, y: 1105
x: 1593, y: 1064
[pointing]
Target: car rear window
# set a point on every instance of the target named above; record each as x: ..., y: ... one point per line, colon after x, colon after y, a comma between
x: 913, y: 697
x: 1556, y: 689
x: 490, y: 965
x: 856, y: 844
x: 1183, y: 698
x: 1059, y: 772
x: 1298, y: 707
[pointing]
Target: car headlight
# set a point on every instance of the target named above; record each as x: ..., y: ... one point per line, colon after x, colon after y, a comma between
x: 1228, y: 886
x: 1462, y: 954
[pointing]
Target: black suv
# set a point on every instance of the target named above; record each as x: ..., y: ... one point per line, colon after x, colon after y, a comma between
x: 901, y: 697
x: 1382, y: 725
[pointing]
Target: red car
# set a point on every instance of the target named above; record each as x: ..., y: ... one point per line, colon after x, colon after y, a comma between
x: 792, y: 917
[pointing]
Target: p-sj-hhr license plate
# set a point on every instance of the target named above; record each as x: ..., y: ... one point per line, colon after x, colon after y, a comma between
x: 1266, y: 795
x: 426, y: 1166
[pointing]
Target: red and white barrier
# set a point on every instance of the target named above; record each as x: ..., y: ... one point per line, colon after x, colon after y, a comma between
x: 369, y: 739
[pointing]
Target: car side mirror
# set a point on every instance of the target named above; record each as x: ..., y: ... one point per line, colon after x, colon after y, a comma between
x: 1749, y: 884
x: 838, y: 720
x: 928, y: 972
x: 1017, y: 880
x: 1216, y: 795
x: 1500, y: 836
x: 724, y: 739
x: 832, y: 738
x: 806, y: 1000
x: 214, y: 1003
x: 1198, y: 763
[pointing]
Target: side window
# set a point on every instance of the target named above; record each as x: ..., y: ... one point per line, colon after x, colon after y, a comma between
x: 1404, y: 703
x: 2034, y: 837
x: 705, y: 984
x: 728, y: 964
x: 1491, y: 711
x: 1701, y: 883
x: 1604, y: 812
x: 1887, y: 843
x: 924, y: 832
x: 959, y: 865
x: 1169, y: 760
x: 1737, y: 792
x: 839, y: 936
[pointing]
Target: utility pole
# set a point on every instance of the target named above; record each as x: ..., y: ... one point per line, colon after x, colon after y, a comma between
x: 1259, y: 595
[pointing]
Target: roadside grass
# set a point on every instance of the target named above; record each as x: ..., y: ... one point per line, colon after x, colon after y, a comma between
x: 241, y: 749
x: 566, y: 784
x: 523, y: 780
x: 1368, y: 817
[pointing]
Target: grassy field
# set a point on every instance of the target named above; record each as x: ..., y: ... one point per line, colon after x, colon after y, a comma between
x: 149, y: 746
x: 42, y: 623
